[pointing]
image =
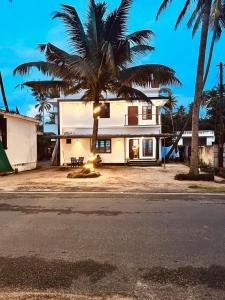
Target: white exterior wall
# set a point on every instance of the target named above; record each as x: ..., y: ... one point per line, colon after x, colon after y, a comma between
x: 76, y: 119
x: 75, y: 115
x: 21, y: 143
x: 82, y: 148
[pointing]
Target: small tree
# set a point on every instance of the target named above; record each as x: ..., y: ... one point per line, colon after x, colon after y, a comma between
x: 42, y: 105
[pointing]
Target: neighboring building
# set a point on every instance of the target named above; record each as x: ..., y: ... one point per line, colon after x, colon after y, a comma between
x: 18, y: 135
x: 128, y: 131
x: 206, y: 138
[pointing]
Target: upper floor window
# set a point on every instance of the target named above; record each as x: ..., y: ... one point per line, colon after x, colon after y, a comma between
x: 103, y: 146
x: 147, y: 112
x: 105, y: 111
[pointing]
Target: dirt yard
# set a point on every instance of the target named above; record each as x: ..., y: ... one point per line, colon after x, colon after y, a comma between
x: 113, y: 179
x: 44, y: 296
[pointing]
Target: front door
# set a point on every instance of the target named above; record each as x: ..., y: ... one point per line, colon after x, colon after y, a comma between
x: 134, y: 149
x: 132, y: 115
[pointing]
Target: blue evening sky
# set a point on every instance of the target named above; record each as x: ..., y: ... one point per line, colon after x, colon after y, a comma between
x: 25, y: 24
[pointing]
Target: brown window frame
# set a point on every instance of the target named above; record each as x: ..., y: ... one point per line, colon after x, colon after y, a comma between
x: 98, y: 146
x: 146, y: 115
x: 143, y: 149
x: 104, y: 113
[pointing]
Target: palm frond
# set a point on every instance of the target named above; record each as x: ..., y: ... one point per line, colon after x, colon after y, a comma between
x: 130, y: 93
x: 183, y: 13
x: 143, y: 75
x: 45, y: 67
x: 75, y: 29
x: 46, y: 86
x: 116, y: 22
x: 140, y: 37
x: 162, y: 7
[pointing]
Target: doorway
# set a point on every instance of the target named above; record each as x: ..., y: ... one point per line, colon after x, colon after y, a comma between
x: 132, y: 115
x: 134, y: 149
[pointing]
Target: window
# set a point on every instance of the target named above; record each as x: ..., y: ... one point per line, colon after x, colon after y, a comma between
x: 69, y: 141
x: 147, y: 112
x: 105, y: 111
x: 3, y: 132
x: 103, y: 146
x: 147, y: 146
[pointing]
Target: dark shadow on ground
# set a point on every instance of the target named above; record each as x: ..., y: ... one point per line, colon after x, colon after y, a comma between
x: 39, y: 274
x: 213, y: 277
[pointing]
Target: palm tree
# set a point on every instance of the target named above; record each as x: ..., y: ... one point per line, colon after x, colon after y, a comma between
x: 42, y: 104
x: 217, y: 24
x: 101, y: 60
x: 205, y: 7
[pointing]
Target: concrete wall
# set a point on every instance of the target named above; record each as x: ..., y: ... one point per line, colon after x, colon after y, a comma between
x: 22, y: 143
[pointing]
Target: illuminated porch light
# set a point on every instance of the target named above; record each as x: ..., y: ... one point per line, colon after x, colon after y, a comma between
x: 97, y: 110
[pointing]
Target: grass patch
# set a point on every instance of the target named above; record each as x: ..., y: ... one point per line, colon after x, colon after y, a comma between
x: 210, y: 189
x: 191, y: 177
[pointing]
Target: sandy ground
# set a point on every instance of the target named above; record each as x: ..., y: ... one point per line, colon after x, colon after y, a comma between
x: 113, y: 179
x: 48, y: 296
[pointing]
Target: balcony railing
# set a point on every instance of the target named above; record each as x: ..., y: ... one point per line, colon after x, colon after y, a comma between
x: 142, y: 119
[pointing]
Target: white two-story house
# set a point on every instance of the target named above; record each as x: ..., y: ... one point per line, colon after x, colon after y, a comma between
x: 129, y: 132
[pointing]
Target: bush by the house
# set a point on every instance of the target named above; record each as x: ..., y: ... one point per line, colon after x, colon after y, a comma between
x: 191, y: 177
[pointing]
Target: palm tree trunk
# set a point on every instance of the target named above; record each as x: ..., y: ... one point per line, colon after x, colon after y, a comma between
x: 210, y: 57
x: 194, y: 167
x: 95, y: 127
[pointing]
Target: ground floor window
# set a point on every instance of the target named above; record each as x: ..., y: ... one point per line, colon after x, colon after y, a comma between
x: 147, y: 146
x: 103, y: 146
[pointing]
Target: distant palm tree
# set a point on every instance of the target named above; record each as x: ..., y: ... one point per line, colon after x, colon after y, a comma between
x: 203, y: 9
x: 101, y: 59
x: 42, y: 105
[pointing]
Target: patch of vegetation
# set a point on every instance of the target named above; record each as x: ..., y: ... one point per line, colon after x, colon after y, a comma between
x: 213, y: 277
x: 191, y: 177
x: 34, y: 273
x: 210, y: 189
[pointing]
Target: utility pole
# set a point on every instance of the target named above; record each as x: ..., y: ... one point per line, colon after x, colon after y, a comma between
x: 221, y: 116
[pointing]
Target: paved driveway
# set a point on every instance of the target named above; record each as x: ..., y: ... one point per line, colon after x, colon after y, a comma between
x: 145, y: 246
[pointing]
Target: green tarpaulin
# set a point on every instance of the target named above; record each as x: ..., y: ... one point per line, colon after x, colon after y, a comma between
x: 4, y: 162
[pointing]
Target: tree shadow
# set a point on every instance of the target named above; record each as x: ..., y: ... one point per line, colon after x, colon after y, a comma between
x: 37, y: 273
x: 213, y: 277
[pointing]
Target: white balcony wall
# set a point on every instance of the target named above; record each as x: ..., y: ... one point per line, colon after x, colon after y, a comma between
x: 76, y: 114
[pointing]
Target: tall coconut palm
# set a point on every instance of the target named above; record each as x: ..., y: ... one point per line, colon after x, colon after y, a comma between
x: 205, y: 6
x: 217, y: 24
x: 101, y: 60
x: 42, y: 105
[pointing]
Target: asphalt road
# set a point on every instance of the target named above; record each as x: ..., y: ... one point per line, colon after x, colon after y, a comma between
x: 145, y: 246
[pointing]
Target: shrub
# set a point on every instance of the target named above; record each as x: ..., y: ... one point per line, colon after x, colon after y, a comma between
x: 221, y: 173
x: 191, y: 177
